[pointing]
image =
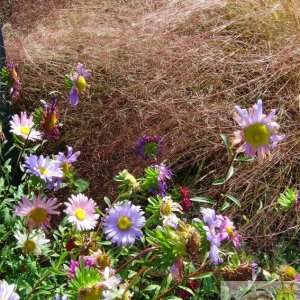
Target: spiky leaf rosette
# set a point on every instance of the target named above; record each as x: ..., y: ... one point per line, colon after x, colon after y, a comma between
x: 84, y: 281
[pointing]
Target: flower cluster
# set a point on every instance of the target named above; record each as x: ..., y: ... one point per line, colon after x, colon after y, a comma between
x: 218, y: 229
x: 111, y: 245
x: 78, y: 79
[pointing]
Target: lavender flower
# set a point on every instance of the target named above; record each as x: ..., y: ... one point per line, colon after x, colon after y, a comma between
x: 76, y: 264
x: 228, y: 232
x: 79, y: 83
x: 123, y: 223
x: 259, y: 133
x: 219, y: 229
x: 164, y: 174
x: 64, y: 162
x: 50, y: 121
x: 150, y: 146
x: 43, y: 167
x: 15, y: 85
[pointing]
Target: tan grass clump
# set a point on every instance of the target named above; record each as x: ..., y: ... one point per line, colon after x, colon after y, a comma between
x: 176, y: 69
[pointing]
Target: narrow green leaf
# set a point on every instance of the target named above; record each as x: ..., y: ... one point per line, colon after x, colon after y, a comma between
x: 203, y: 200
x: 233, y: 199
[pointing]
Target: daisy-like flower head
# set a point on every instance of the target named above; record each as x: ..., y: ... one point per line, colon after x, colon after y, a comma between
x: 100, y: 260
x: 32, y: 243
x: 150, y: 146
x: 43, y: 167
x: 164, y: 174
x: 259, y: 133
x: 65, y: 163
x: 38, y: 211
x: 228, y: 232
x: 117, y: 293
x: 81, y: 211
x: 210, y: 217
x: 79, y: 83
x: 123, y: 223
x: 50, y: 121
x: 15, y: 85
x: 214, y: 222
x: 23, y: 126
x: 168, y: 206
x: 171, y: 221
x: 76, y: 264
x: 7, y: 291
x: 67, y: 160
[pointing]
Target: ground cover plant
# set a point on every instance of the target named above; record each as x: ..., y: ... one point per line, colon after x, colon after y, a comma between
x: 174, y: 83
x: 144, y: 244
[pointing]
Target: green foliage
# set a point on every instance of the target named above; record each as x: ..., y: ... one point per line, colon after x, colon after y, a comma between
x: 288, y: 198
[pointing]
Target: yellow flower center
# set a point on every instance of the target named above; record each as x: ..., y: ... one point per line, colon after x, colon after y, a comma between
x: 80, y: 214
x: 29, y: 246
x: 230, y: 231
x: 65, y: 168
x: 38, y: 215
x: 124, y: 223
x: 44, y: 171
x: 103, y: 261
x: 50, y: 121
x: 288, y: 271
x: 92, y: 293
x: 24, y: 130
x: 257, y: 135
x: 166, y: 208
x: 81, y: 84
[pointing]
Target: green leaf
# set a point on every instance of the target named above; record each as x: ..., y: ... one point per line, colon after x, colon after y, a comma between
x: 233, y: 199
x: 57, y: 272
x: 224, y: 206
x: 61, y: 259
x: 230, y: 173
x: 219, y: 181
x: 81, y: 185
x: 151, y: 287
x: 203, y: 200
x: 227, y: 143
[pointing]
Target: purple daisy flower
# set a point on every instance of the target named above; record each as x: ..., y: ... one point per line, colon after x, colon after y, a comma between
x: 259, y: 133
x: 228, y: 232
x: 150, y: 146
x: 76, y: 264
x: 164, y: 174
x: 79, y: 83
x: 123, y: 223
x: 64, y: 162
x: 15, y: 85
x: 64, y: 297
x: 213, y: 221
x: 50, y: 121
x: 43, y: 167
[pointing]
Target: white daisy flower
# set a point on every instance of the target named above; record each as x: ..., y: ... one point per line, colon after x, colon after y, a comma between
x: 33, y: 242
x: 7, y: 291
x: 23, y: 127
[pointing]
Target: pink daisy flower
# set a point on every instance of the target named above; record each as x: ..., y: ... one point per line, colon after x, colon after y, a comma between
x: 259, y: 133
x: 38, y: 211
x: 23, y: 127
x: 81, y: 211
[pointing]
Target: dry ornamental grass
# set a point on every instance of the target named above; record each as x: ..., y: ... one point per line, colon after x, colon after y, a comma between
x: 175, y: 69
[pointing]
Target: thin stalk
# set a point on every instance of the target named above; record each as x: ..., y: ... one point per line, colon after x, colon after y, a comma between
x: 185, y: 278
x: 144, y: 252
x: 37, y: 284
x: 226, y: 176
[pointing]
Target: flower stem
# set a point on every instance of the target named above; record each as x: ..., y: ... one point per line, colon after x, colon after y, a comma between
x: 163, y: 294
x: 144, y: 252
x: 37, y: 285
